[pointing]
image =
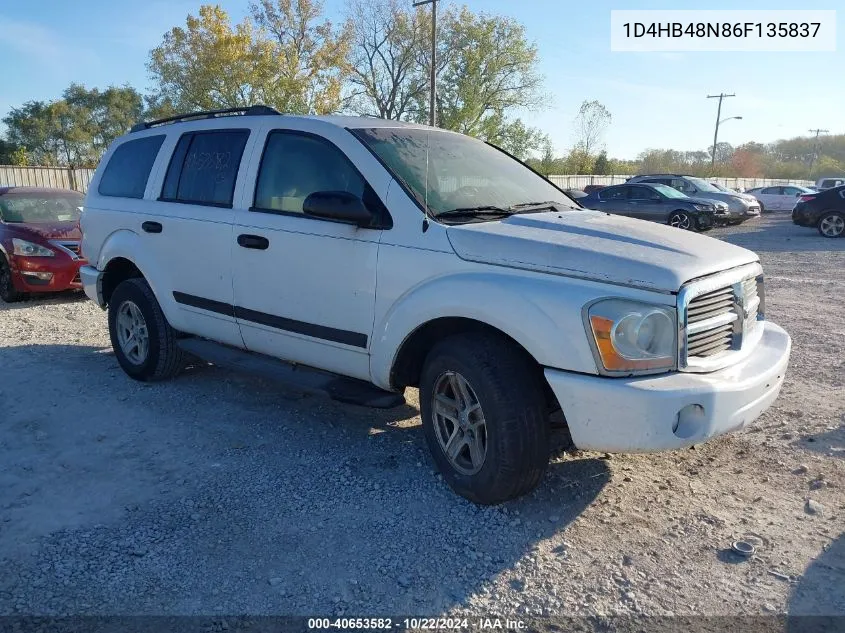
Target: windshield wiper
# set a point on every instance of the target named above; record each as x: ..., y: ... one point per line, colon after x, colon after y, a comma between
x: 462, y: 212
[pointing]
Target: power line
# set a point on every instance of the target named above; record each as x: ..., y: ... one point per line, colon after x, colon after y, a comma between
x: 720, y: 97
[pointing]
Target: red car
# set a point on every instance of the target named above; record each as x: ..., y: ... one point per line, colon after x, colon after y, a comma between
x: 39, y: 241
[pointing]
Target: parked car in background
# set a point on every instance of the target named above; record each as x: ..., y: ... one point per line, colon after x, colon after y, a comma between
x: 39, y: 241
x: 500, y: 299
x: 657, y: 203
x: 741, y: 206
x: 829, y: 183
x: 778, y: 198
x: 593, y: 188
x: 824, y: 210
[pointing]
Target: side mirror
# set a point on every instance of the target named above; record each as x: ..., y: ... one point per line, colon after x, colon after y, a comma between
x: 338, y: 206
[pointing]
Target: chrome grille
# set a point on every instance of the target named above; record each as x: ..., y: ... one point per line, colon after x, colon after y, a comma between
x: 73, y: 247
x: 718, y: 315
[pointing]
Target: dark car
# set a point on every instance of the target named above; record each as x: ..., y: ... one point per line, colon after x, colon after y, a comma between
x: 39, y: 241
x: 824, y: 210
x: 658, y: 203
x: 593, y: 188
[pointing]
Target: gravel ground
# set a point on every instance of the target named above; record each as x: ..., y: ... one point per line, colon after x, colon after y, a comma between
x: 217, y: 493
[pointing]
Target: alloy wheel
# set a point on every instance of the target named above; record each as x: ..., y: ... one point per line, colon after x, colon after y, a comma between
x: 832, y: 225
x: 680, y: 220
x: 459, y: 423
x: 132, y: 334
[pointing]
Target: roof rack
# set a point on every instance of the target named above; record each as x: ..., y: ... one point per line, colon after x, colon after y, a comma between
x: 255, y: 110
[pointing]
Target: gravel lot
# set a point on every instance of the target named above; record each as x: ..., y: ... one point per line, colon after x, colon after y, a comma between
x: 221, y: 494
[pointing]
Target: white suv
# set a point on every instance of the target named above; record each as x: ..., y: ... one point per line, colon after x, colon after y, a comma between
x: 374, y: 255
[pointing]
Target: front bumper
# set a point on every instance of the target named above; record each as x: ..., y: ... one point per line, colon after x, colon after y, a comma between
x: 671, y: 411
x: 45, y: 274
x: 92, y: 283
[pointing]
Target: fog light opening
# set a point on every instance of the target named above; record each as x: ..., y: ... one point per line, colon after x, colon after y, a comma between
x: 689, y: 422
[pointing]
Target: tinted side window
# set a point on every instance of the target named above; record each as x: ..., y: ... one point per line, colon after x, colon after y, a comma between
x: 296, y: 165
x: 204, y: 167
x: 614, y: 193
x: 771, y: 191
x: 643, y: 193
x: 129, y: 167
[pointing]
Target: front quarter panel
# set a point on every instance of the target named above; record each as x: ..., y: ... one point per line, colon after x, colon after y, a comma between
x: 541, y: 312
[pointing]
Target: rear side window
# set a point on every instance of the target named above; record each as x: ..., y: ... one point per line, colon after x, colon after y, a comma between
x: 204, y: 167
x: 128, y: 169
x: 614, y: 193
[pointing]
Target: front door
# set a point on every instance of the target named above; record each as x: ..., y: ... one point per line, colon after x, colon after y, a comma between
x: 646, y: 204
x: 304, y: 288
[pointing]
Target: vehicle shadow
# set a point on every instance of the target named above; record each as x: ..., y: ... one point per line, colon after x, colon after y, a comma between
x: 58, y: 298
x: 218, y: 493
x: 789, y: 239
x: 817, y: 602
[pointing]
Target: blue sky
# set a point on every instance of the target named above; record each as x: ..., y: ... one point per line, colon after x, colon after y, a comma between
x: 656, y: 99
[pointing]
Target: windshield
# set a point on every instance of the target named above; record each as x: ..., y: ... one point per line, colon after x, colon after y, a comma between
x: 450, y: 171
x: 669, y: 192
x: 720, y: 187
x: 40, y: 207
x: 702, y: 185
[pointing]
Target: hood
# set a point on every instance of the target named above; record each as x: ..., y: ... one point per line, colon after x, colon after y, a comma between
x: 697, y: 200
x: 50, y: 230
x: 597, y: 246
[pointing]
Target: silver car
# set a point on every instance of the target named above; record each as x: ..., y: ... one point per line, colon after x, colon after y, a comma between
x: 741, y: 206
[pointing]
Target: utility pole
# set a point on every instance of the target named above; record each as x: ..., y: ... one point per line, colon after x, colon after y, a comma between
x: 716, y: 133
x: 433, y: 81
x: 815, y: 149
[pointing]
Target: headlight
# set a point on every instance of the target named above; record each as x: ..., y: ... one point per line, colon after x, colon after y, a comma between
x: 632, y: 337
x: 28, y: 249
x: 703, y: 207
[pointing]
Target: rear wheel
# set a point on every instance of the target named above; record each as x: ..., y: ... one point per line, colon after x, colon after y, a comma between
x: 7, y: 288
x: 832, y: 224
x: 142, y: 339
x: 485, y: 417
x: 681, y: 220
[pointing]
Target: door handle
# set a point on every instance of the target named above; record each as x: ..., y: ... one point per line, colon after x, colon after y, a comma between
x: 254, y: 241
x: 151, y: 227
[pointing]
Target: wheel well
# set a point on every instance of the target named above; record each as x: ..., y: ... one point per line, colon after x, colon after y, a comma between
x: 409, y: 360
x: 118, y: 270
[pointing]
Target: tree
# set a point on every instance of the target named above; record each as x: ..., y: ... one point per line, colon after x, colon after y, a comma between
x: 309, y: 59
x: 75, y: 129
x: 601, y: 164
x: 590, y: 125
x: 386, y: 38
x: 489, y: 70
x: 209, y: 64
x: 11, y: 154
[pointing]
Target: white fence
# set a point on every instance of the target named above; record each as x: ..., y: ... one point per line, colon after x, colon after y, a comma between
x: 68, y: 178
x: 578, y: 182
x: 60, y: 177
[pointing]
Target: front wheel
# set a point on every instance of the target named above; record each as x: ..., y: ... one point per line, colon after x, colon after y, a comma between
x: 832, y: 224
x: 7, y: 287
x: 142, y: 339
x: 485, y: 417
x: 681, y: 220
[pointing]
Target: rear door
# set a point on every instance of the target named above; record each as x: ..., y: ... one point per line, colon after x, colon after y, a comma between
x: 614, y: 200
x: 770, y: 197
x: 189, y: 229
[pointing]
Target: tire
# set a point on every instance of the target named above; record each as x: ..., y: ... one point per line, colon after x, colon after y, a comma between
x: 160, y: 358
x: 762, y: 209
x: 831, y: 224
x: 682, y: 220
x: 507, y: 385
x: 7, y: 288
